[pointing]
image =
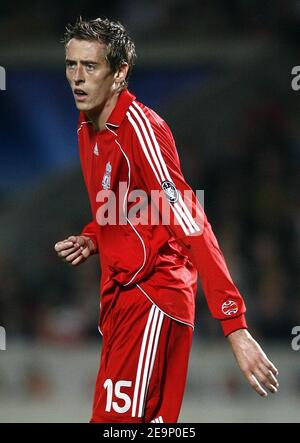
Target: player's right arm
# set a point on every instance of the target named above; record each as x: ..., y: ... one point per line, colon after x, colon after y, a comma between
x: 75, y: 249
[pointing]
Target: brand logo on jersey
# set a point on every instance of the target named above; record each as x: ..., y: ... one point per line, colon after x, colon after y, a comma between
x: 229, y: 307
x: 170, y: 190
x: 106, y: 176
x: 96, y: 150
x: 157, y: 420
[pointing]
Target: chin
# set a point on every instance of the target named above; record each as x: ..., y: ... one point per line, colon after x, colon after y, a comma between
x: 82, y: 106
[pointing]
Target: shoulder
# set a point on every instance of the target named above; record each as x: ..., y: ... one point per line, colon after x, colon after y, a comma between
x: 145, y: 122
x: 149, y: 136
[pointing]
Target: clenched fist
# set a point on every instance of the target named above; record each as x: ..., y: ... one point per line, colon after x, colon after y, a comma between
x: 75, y: 249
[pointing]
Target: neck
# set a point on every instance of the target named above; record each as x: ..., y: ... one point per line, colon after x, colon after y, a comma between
x: 100, y: 115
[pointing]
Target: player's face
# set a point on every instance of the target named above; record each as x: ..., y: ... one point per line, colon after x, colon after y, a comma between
x: 89, y: 74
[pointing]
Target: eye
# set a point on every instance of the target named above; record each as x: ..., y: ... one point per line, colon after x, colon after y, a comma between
x: 70, y: 65
x: 90, y: 67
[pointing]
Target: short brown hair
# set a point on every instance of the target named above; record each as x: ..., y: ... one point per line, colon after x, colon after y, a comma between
x: 120, y: 47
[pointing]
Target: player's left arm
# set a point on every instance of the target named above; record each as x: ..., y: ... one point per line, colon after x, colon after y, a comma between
x: 158, y: 161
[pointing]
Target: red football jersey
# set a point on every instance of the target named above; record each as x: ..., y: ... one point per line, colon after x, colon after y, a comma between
x: 159, y: 253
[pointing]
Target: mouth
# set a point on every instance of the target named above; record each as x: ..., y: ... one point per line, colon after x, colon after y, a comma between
x: 80, y: 94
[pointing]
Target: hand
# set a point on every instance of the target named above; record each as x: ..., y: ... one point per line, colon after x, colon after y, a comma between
x: 257, y: 368
x: 75, y: 249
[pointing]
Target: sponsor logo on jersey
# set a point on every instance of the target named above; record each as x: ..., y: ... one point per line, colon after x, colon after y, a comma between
x: 229, y: 307
x: 106, y: 176
x: 170, y: 190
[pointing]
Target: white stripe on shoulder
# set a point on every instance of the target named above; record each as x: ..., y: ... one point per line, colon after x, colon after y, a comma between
x: 138, y: 133
x: 181, y: 220
x: 163, y: 164
x: 149, y: 144
x: 179, y: 211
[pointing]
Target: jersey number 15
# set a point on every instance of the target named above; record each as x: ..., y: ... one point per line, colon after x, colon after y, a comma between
x: 108, y: 385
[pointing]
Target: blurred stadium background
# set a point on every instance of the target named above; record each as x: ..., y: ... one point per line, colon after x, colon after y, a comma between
x: 219, y: 72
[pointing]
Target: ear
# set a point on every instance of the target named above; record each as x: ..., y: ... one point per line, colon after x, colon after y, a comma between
x: 121, y: 74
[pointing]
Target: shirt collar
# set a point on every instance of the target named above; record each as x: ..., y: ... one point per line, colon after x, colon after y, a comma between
x: 124, y: 101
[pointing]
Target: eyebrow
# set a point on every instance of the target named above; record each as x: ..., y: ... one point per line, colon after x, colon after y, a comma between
x: 83, y: 62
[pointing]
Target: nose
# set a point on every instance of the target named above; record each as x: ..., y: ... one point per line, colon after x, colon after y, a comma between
x: 79, y: 75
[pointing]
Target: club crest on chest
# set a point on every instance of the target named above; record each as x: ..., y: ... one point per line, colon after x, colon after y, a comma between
x: 107, y: 176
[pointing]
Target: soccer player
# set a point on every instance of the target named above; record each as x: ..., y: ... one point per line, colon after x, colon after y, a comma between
x: 149, y: 265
